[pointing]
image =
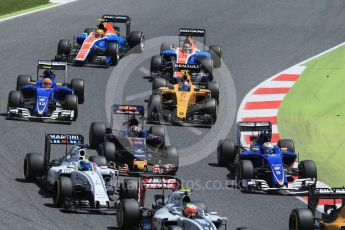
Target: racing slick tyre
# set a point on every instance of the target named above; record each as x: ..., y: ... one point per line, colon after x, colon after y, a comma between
x: 287, y: 143
x: 172, y: 158
x: 301, y: 219
x: 23, y: 80
x: 129, y: 189
x: 211, y: 109
x: 244, y: 171
x: 108, y: 150
x: 33, y: 166
x: 62, y: 189
x: 71, y: 103
x: 64, y: 47
x: 88, y: 31
x: 15, y: 99
x: 174, y: 227
x: 154, y: 108
x: 78, y: 89
x: 216, y: 55
x: 166, y: 46
x: 226, y: 152
x: 99, y: 160
x: 128, y: 214
x: 157, y: 83
x: 307, y: 169
x: 200, y: 204
x: 97, y: 132
x: 207, y: 67
x: 113, y: 52
x: 155, y: 66
x: 137, y: 41
x: 214, y: 88
x: 158, y: 131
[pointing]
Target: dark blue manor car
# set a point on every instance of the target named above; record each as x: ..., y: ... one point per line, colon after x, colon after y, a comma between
x: 103, y: 45
x: 263, y: 165
x: 130, y: 146
x: 45, y: 98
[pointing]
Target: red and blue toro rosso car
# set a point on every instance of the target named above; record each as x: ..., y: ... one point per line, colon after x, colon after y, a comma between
x: 103, y: 45
x: 263, y: 165
x: 45, y: 98
x: 187, y: 52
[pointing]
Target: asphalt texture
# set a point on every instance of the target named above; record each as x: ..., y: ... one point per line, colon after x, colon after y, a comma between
x: 259, y: 39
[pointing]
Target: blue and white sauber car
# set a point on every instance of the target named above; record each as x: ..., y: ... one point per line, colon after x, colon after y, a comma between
x: 75, y: 181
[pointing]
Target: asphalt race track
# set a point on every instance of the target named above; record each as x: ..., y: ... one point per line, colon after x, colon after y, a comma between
x: 259, y: 39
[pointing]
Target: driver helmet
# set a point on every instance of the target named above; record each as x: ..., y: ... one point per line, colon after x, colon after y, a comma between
x: 187, y: 47
x: 189, y: 210
x: 133, y: 121
x: 47, y: 83
x: 84, y: 165
x: 48, y: 74
x: 268, y: 148
x: 99, y: 33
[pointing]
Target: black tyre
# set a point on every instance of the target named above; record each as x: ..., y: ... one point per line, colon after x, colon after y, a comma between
x: 226, y: 152
x: 15, y: 99
x: 128, y: 214
x: 88, y: 31
x: 174, y: 227
x: 216, y: 55
x: 301, y: 219
x: 33, y: 166
x: 156, y: 65
x: 157, y: 83
x: 166, y: 46
x: 97, y: 132
x: 64, y: 47
x: 211, y: 109
x: 99, y: 160
x: 214, y: 88
x: 137, y: 41
x: 23, y: 80
x: 154, y: 108
x: 207, y: 67
x: 113, y: 52
x: 200, y: 204
x: 62, y: 189
x: 78, y: 87
x: 108, y: 150
x: 307, y: 169
x: 288, y: 144
x: 244, y: 170
x: 172, y: 157
x: 129, y: 189
x: 158, y: 131
x: 71, y: 103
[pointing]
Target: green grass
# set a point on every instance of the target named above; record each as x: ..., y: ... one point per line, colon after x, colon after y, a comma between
x: 11, y: 6
x: 313, y: 114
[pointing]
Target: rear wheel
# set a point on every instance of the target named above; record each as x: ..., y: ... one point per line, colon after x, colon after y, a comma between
x: 216, y: 55
x: 307, y: 169
x: 129, y: 189
x: 62, y: 189
x: 113, y: 52
x: 78, y: 89
x: 172, y: 157
x: 96, y: 134
x: 88, y: 31
x: 137, y: 41
x: 23, y: 80
x: 154, y: 108
x: 158, y: 131
x: 64, y: 47
x: 226, y: 152
x: 288, y: 144
x: 108, y: 150
x: 15, y: 99
x: 98, y: 160
x: 166, y: 46
x: 71, y: 103
x: 33, y: 166
x: 157, y: 83
x: 174, y: 227
x: 211, y: 109
x: 156, y: 65
x: 128, y: 214
x: 301, y: 219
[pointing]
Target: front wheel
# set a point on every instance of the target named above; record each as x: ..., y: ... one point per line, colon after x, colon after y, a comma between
x: 78, y: 88
x: 71, y: 103
x: 62, y: 189
x: 211, y: 109
x: 113, y: 52
x: 128, y: 214
x: 301, y: 219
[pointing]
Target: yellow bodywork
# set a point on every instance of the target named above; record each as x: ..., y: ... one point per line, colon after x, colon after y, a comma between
x: 140, y: 165
x: 337, y: 223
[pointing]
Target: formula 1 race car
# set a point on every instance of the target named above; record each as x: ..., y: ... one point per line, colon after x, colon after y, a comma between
x: 76, y: 183
x: 176, y: 211
x: 104, y: 45
x: 333, y: 217
x: 45, y: 98
x: 263, y: 166
x: 183, y: 102
x: 132, y: 147
x: 187, y: 53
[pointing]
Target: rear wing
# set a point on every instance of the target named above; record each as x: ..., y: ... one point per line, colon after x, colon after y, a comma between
x: 315, y: 194
x: 116, y: 18
x: 192, y: 68
x: 128, y: 109
x: 160, y: 182
x: 254, y: 126
x: 192, y: 32
x: 65, y: 139
x: 52, y: 65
